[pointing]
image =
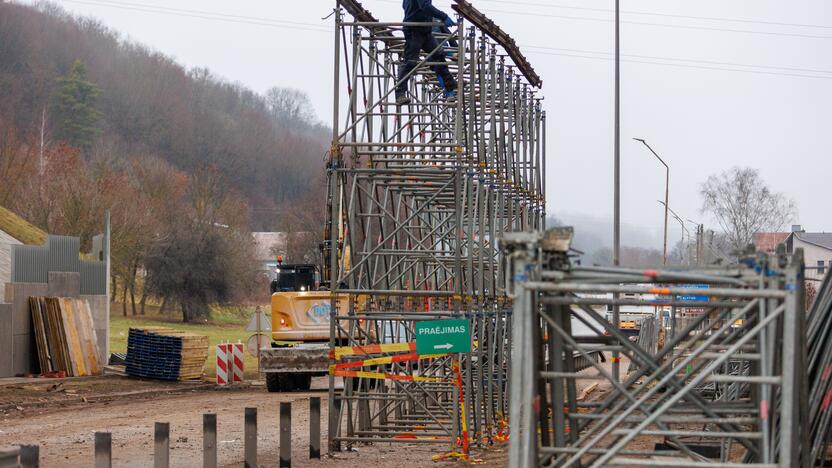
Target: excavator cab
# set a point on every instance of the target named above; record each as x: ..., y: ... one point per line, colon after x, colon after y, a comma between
x: 294, y: 278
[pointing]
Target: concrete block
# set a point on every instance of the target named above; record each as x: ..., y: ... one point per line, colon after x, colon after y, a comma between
x: 24, y: 355
x: 103, y: 344
x: 99, y: 307
x: 64, y: 284
x: 99, y: 310
x: 19, y: 294
x: 6, y: 340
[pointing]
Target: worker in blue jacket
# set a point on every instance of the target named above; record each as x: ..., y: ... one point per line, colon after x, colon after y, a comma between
x: 421, y: 38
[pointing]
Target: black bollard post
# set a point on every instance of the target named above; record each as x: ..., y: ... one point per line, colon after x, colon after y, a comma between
x: 285, y: 435
x: 29, y: 456
x: 103, y: 450
x: 334, y: 423
x: 250, y: 437
x: 161, y: 445
x: 209, y: 440
x: 315, y: 427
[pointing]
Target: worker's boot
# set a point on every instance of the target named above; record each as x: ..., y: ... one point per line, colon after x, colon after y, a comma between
x: 450, y: 90
x: 402, y: 99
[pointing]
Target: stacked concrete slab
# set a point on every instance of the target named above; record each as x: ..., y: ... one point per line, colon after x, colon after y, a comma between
x: 6, y: 336
x: 23, y: 355
x: 48, y: 271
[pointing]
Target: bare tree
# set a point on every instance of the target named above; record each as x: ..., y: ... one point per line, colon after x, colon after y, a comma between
x: 303, y: 220
x: 290, y: 106
x: 743, y: 204
x: 202, y: 256
x: 630, y: 256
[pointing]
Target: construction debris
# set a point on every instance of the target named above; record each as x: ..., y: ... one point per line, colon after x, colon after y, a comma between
x: 64, y: 336
x: 165, y: 354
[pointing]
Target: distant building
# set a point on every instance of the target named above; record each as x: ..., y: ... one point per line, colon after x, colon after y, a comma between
x: 768, y: 241
x: 267, y: 246
x: 14, y: 230
x: 817, y: 250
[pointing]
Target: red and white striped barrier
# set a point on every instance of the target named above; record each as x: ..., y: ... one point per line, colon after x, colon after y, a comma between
x: 222, y: 364
x: 229, y: 363
x: 237, y: 361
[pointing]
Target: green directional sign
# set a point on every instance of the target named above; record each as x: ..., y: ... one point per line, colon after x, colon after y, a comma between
x: 443, y: 336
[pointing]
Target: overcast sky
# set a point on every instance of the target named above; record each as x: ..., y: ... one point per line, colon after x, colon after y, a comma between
x: 774, y: 115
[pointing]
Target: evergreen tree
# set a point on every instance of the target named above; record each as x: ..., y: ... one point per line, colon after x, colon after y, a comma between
x: 73, y: 108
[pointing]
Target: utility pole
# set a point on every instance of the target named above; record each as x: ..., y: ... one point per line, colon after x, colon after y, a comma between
x: 700, y: 238
x: 666, y: 194
x: 684, y: 246
x: 616, y: 230
x: 684, y: 230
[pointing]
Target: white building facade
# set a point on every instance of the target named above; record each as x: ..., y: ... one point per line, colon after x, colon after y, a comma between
x: 817, y: 251
x: 6, y: 243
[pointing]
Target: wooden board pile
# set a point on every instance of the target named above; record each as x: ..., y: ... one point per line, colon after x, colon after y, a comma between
x: 165, y: 354
x: 65, y: 336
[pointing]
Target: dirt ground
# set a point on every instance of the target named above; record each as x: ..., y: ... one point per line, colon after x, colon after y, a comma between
x: 34, y: 393
x: 63, y: 422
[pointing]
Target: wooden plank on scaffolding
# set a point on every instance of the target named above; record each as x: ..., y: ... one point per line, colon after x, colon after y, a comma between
x: 493, y: 31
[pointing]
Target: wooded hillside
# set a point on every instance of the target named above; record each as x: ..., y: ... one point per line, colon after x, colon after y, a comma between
x: 150, y: 105
x: 187, y: 163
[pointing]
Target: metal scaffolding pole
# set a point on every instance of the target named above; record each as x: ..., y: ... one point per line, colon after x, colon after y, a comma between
x: 418, y: 195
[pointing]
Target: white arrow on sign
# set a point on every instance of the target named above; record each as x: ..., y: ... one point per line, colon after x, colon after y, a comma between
x: 443, y: 346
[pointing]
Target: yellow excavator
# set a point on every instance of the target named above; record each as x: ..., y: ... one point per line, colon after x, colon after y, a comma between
x: 301, y: 311
x: 301, y: 306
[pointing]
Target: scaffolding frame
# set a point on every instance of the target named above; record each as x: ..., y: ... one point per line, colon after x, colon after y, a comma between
x: 417, y: 197
x: 730, y: 384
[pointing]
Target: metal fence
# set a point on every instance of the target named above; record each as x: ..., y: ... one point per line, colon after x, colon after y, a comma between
x: 32, y: 264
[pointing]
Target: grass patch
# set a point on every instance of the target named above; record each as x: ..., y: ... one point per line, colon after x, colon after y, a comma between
x: 21, y: 229
x: 227, y: 324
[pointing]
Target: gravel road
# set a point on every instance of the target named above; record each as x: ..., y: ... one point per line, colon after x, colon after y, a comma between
x: 65, y: 432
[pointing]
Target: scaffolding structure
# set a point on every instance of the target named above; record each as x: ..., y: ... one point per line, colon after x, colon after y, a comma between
x: 418, y: 195
x: 727, y: 388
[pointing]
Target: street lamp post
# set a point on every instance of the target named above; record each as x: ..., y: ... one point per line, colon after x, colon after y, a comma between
x: 616, y: 229
x: 666, y: 193
x: 684, y: 229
